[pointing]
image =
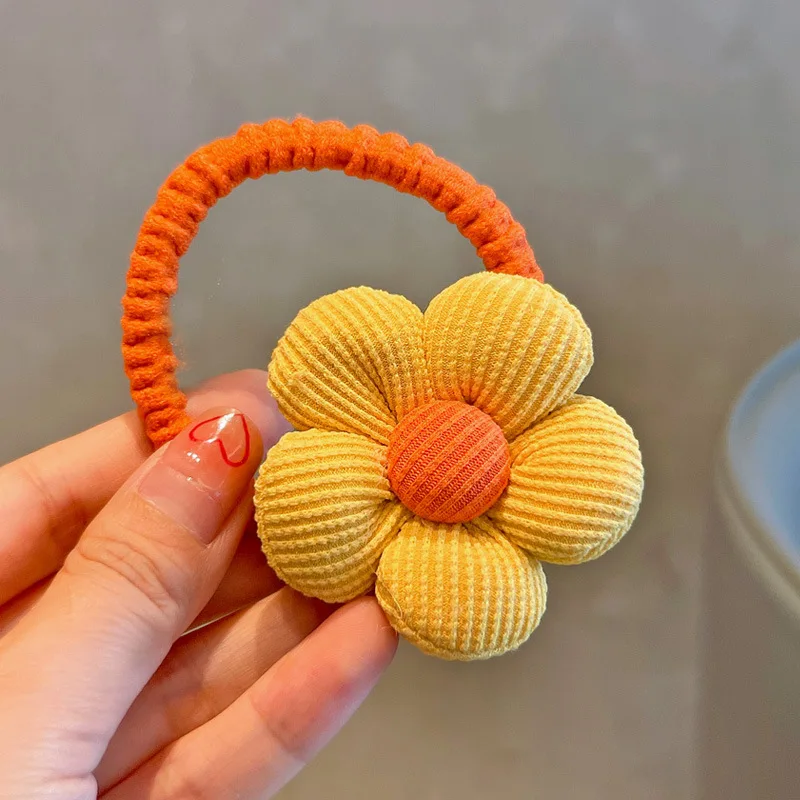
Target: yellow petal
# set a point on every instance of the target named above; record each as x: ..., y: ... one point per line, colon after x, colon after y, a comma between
x: 576, y: 482
x: 511, y: 346
x: 325, y: 512
x: 351, y: 361
x: 460, y: 591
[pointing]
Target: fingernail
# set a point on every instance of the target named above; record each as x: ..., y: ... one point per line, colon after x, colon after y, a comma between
x: 204, y: 471
x: 246, y: 390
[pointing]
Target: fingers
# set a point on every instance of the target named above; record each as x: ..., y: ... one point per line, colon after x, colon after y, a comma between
x: 15, y: 610
x: 204, y: 673
x: 260, y: 742
x: 48, y: 497
x: 141, y: 572
x: 247, y: 580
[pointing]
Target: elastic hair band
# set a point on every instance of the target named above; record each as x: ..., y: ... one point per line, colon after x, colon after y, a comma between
x: 214, y: 170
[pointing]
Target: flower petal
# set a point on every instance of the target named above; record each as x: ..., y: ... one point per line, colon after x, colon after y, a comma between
x: 511, y: 346
x: 576, y: 483
x: 325, y: 512
x: 351, y: 361
x: 460, y: 591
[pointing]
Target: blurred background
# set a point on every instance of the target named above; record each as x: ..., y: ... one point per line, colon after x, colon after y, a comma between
x: 652, y: 151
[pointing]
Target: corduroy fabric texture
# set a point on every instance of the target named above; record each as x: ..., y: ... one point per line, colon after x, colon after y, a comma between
x: 496, y: 348
x: 214, y: 170
x: 448, y: 461
x: 352, y: 361
x: 576, y: 482
x: 514, y: 349
x: 460, y: 591
x: 325, y: 512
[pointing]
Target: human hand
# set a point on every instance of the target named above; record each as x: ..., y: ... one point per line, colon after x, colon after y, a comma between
x: 108, y: 555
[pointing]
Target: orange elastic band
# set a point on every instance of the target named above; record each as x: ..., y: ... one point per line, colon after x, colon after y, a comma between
x: 279, y: 146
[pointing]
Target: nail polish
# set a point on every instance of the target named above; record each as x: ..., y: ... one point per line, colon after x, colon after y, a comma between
x: 203, y: 472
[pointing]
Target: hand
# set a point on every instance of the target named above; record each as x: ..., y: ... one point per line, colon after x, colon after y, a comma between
x: 107, y: 558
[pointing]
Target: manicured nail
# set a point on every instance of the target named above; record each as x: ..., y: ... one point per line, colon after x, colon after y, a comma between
x: 204, y: 471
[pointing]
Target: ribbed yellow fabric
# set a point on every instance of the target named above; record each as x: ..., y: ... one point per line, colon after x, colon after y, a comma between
x: 576, y: 482
x: 460, y: 591
x: 351, y: 361
x: 513, y: 347
x: 325, y: 512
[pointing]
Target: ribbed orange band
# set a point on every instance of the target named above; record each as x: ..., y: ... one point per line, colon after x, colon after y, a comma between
x: 279, y: 146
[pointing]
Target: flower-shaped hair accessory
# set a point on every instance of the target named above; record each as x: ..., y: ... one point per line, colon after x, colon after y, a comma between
x: 438, y: 457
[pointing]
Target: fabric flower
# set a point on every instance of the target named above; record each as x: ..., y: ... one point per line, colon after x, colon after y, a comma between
x: 440, y: 457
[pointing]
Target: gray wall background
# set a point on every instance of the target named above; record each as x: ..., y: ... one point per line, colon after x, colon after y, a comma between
x: 652, y: 151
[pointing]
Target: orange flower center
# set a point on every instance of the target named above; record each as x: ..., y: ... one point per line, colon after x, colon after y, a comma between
x: 448, y: 461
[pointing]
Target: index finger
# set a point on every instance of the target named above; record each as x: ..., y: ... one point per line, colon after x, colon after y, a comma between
x: 49, y: 497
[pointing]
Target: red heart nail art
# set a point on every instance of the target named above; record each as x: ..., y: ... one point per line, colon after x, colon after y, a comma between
x: 230, y: 432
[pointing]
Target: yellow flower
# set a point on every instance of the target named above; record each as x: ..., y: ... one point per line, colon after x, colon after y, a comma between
x: 441, y: 456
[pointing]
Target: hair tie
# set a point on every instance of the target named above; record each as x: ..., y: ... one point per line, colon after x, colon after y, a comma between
x: 438, y: 457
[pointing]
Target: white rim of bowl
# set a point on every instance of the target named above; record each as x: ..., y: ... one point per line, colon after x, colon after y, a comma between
x: 761, y: 551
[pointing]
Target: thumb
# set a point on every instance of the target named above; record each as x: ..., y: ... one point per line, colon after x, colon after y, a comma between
x: 142, y: 571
